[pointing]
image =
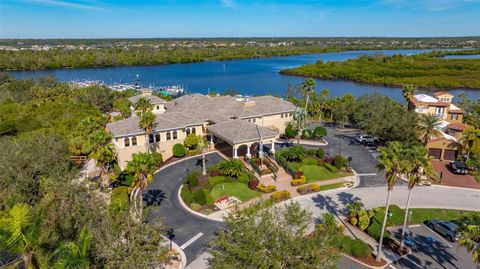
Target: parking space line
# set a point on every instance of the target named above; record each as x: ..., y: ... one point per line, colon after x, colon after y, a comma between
x: 414, y: 226
x: 189, y: 242
x: 367, y: 174
x: 414, y: 263
x: 440, y: 237
x: 393, y: 267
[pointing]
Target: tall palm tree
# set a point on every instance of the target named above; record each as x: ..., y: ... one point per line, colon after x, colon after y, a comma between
x: 19, y: 234
x: 428, y: 127
x: 203, y: 145
x: 74, y: 255
x: 389, y: 160
x: 299, y: 121
x: 143, y: 165
x: 308, y: 86
x: 415, y: 164
x: 102, y: 148
x: 147, y: 123
x: 470, y: 138
x: 408, y: 91
x: 232, y: 168
x: 324, y: 93
x: 469, y: 238
x: 142, y: 106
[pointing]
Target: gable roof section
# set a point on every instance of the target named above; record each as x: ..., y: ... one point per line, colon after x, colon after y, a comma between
x: 442, y: 93
x: 239, y: 131
x: 152, y: 98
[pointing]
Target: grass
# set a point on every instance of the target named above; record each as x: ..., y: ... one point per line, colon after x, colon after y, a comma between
x: 239, y: 190
x: 420, y: 215
x: 315, y: 173
x: 331, y: 186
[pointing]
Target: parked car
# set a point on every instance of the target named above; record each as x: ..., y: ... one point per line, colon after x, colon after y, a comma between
x: 365, y: 139
x: 447, y: 229
x: 458, y: 167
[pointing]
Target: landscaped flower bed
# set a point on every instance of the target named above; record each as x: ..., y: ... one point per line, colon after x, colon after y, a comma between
x: 228, y: 178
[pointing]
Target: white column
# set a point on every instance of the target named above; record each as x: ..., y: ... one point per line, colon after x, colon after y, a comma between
x: 235, y: 153
x: 211, y: 139
x: 248, y: 153
x: 272, y: 150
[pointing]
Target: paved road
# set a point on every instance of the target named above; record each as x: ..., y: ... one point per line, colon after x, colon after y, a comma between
x: 163, y: 192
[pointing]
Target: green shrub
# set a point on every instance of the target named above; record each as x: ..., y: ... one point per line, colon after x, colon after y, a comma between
x: 179, y: 150
x: 375, y: 229
x: 119, y: 199
x: 314, y: 187
x: 192, y: 178
x: 354, y: 247
x: 296, y: 182
x: 319, y: 131
x: 216, y: 180
x: 330, y: 167
x: 340, y: 162
x: 320, y: 153
x: 290, y: 132
x: 201, y: 197
x: 195, y: 206
x: 311, y: 152
x: 191, y: 141
x: 309, y: 161
x: 186, y: 195
x: 125, y: 178
x: 243, y: 178
x: 280, y: 196
x: 307, y: 133
x: 296, y: 165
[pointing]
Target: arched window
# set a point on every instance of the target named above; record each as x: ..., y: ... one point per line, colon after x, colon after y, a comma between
x: 134, y: 140
x: 157, y: 137
x: 169, y: 136
x: 187, y: 131
x: 193, y: 130
x: 175, y: 134
x: 150, y: 138
x: 126, y: 141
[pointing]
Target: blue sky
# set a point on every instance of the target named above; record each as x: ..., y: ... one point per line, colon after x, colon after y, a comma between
x: 237, y: 18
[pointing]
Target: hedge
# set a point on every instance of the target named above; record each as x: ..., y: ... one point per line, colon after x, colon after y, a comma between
x: 296, y: 182
x: 330, y: 167
x: 192, y: 178
x: 119, y: 199
x: 179, y: 150
x: 216, y: 180
x: 266, y: 189
x: 186, y: 195
x: 375, y: 229
x: 280, y: 196
x: 243, y: 178
x: 309, y: 161
x: 202, y: 197
x: 340, y: 162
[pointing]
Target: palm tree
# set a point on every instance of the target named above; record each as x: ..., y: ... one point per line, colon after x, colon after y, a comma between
x: 428, y: 127
x: 470, y: 138
x: 416, y: 163
x: 469, y: 238
x: 147, y: 123
x: 19, y: 234
x: 389, y: 161
x: 74, y: 254
x: 232, y: 168
x: 324, y: 93
x: 102, y: 148
x: 353, y: 211
x: 143, y: 165
x: 408, y: 92
x: 308, y: 86
x: 142, y: 106
x: 203, y: 145
x: 299, y: 121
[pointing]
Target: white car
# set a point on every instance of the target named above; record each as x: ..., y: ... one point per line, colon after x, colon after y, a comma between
x: 365, y: 139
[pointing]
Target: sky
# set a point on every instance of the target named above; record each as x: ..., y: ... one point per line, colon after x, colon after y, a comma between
x: 237, y: 18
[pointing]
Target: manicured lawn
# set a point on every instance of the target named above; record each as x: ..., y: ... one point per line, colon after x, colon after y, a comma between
x: 239, y: 190
x: 419, y: 215
x: 318, y: 173
x: 331, y: 186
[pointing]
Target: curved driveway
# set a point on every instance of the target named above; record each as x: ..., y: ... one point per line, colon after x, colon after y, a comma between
x: 163, y: 192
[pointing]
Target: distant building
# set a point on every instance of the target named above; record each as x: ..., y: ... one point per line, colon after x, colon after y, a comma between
x: 448, y: 146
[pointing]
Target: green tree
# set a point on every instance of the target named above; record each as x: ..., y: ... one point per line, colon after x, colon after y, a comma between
x: 147, y: 123
x: 233, y: 167
x: 143, y: 165
x: 415, y: 164
x: 428, y: 127
x: 469, y: 238
x: 324, y: 93
x: 389, y: 161
x: 74, y: 255
x: 123, y: 106
x: 407, y: 92
x: 191, y: 141
x: 470, y: 139
x: 308, y: 86
x: 299, y: 121
x: 353, y: 210
x: 19, y: 234
x: 280, y: 234
x: 102, y: 148
x: 293, y: 154
x: 203, y: 145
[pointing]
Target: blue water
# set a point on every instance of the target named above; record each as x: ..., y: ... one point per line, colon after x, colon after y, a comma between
x: 250, y: 76
x: 472, y: 56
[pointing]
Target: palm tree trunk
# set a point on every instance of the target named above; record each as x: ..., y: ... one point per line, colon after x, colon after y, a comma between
x: 298, y: 136
x: 146, y: 142
x: 402, y: 242
x: 204, y: 167
x: 140, y: 203
x: 387, y: 205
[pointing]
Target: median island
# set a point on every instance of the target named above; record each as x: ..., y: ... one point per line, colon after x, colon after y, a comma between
x: 427, y: 70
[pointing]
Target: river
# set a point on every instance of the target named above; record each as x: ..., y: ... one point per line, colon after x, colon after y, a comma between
x: 249, y: 76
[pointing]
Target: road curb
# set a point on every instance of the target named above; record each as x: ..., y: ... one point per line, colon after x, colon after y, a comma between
x: 183, y: 257
x: 181, y: 160
x: 191, y: 211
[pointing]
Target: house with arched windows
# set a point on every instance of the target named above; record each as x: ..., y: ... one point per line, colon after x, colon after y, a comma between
x: 236, y: 126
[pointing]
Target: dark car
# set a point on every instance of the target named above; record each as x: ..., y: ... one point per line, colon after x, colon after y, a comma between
x: 446, y: 228
x: 459, y: 168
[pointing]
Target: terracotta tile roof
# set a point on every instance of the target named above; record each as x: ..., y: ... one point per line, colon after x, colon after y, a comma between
x: 459, y: 111
x: 458, y: 126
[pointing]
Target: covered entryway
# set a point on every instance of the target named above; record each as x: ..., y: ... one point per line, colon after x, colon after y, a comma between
x: 450, y: 155
x: 435, y: 153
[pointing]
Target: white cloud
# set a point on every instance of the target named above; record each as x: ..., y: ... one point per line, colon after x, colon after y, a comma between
x: 67, y: 4
x: 228, y: 3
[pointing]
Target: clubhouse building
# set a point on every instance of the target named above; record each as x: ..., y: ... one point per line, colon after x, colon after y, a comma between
x: 234, y: 125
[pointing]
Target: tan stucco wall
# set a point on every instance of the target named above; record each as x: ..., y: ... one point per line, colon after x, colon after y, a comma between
x: 459, y: 120
x: 275, y: 120
x: 445, y: 144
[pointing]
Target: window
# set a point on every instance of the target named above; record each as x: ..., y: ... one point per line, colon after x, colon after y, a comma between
x: 254, y: 120
x: 150, y: 138
x: 157, y: 137
x: 282, y: 115
x: 126, y: 141
x: 454, y: 116
x: 193, y: 130
x: 134, y: 140
x: 169, y: 136
x: 187, y: 131
x: 158, y: 107
x: 290, y: 114
x: 175, y: 134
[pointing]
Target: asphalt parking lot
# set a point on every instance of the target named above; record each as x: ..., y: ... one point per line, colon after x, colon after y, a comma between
x: 432, y: 250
